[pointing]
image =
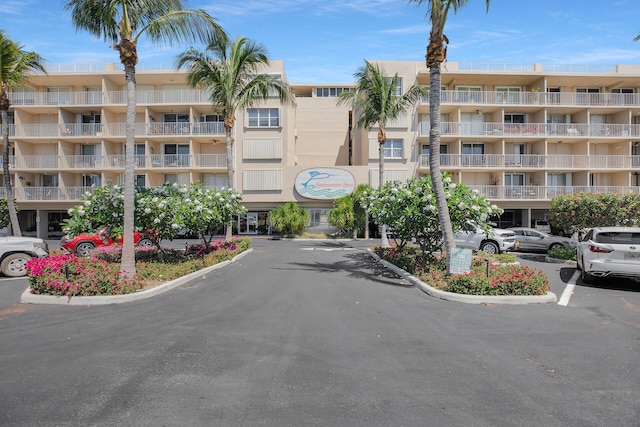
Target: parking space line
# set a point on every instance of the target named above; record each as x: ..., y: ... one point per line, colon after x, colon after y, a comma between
x: 568, y: 290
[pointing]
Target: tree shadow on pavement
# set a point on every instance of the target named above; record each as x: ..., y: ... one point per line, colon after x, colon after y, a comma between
x: 359, y: 265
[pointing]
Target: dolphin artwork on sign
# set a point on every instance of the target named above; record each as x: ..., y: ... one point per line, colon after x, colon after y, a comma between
x: 324, y: 183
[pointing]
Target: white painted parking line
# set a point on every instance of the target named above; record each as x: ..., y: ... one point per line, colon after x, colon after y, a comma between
x: 568, y: 290
x: 327, y: 249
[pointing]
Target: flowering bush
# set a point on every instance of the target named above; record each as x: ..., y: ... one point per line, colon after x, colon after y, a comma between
x: 409, y: 208
x: 504, y: 279
x: 68, y: 275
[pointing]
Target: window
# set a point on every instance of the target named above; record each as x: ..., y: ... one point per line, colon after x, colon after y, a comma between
x: 331, y: 92
x: 398, y: 88
x: 509, y: 95
x: 176, y: 154
x: 473, y: 154
x: 426, y: 150
x: 318, y: 218
x: 392, y: 149
x: 210, y: 180
x: 141, y: 181
x: 469, y: 93
x: 176, y: 178
x: 264, y: 117
x: 514, y: 179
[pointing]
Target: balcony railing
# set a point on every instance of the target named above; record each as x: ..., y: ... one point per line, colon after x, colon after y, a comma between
x: 533, y: 161
x: 537, y: 98
x: 84, y: 130
x: 84, y: 162
x: 493, y: 192
x: 533, y: 192
x: 533, y: 129
x: 109, y: 98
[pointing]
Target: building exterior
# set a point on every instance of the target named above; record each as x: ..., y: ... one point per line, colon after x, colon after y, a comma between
x: 519, y: 133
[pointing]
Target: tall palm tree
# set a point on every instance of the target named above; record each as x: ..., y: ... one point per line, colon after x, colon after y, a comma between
x: 15, y: 64
x: 123, y: 22
x: 230, y: 72
x: 436, y: 55
x: 376, y: 100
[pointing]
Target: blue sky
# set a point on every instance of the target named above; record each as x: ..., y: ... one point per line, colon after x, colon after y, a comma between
x: 326, y: 41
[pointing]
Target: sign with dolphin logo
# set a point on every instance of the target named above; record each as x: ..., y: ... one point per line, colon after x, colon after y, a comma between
x: 324, y: 183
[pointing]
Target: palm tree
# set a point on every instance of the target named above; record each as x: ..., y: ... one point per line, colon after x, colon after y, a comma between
x: 230, y: 72
x: 377, y: 101
x: 436, y: 55
x: 123, y: 23
x: 15, y: 64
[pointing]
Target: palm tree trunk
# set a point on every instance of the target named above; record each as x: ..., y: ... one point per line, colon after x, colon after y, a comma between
x: 128, y: 262
x: 384, y: 240
x: 13, y: 216
x: 434, y: 161
x: 230, y: 176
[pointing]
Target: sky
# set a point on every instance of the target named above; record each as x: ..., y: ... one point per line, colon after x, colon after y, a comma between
x: 325, y: 42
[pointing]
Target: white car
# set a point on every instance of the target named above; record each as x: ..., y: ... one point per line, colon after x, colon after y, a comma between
x: 16, y: 251
x: 610, y: 252
x: 496, y: 241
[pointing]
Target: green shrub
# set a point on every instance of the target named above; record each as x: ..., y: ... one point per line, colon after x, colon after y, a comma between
x: 506, y: 278
x: 289, y: 218
x: 563, y: 252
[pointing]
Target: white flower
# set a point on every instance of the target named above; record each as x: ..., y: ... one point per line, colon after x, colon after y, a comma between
x: 156, y: 221
x: 87, y: 203
x: 147, y: 211
x: 175, y: 226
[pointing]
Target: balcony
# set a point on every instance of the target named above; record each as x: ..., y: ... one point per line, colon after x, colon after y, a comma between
x: 539, y: 130
x: 533, y: 161
x: 566, y: 99
x: 533, y: 192
x: 143, y: 97
x: 77, y: 131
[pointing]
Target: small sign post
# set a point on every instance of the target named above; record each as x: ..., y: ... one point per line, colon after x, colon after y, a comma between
x: 460, y: 261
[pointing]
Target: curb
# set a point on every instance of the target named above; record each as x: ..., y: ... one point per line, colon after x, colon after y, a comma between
x: 559, y: 261
x: 29, y: 298
x: 549, y: 298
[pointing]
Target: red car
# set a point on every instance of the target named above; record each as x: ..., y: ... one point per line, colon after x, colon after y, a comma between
x: 84, y: 243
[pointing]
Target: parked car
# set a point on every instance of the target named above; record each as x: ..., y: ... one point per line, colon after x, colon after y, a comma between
x: 536, y: 240
x: 84, y: 243
x: 610, y: 252
x: 542, y: 225
x: 15, y: 251
x: 495, y: 241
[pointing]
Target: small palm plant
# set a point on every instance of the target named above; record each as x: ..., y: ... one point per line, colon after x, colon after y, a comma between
x: 289, y: 218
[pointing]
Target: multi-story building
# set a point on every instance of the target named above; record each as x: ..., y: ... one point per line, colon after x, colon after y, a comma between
x: 519, y: 133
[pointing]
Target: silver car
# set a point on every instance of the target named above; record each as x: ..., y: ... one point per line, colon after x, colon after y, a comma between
x: 535, y: 240
x: 610, y: 252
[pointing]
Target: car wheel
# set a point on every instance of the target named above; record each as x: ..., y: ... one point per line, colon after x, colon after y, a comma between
x: 490, y: 247
x: 586, y: 277
x: 84, y: 249
x: 145, y: 243
x: 14, y: 265
x: 555, y: 246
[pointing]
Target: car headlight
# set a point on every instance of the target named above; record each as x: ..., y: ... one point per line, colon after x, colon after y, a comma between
x: 41, y: 245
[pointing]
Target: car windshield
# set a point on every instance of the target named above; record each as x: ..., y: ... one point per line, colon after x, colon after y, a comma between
x: 619, y: 237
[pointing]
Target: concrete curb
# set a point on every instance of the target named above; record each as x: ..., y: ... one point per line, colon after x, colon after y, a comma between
x: 550, y: 297
x: 28, y: 298
x: 559, y: 261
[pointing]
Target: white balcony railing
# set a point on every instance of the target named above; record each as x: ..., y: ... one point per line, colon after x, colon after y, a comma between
x: 532, y: 192
x: 534, y: 161
x: 84, y: 130
x: 537, y: 98
x: 568, y: 130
